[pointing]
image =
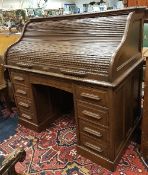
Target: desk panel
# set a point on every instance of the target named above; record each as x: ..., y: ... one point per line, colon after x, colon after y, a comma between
x: 53, y: 82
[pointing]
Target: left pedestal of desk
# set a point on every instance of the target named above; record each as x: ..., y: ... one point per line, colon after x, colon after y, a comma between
x: 24, y: 98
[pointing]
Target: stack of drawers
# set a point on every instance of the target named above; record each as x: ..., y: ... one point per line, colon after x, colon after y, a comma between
x: 22, y: 95
x: 92, y: 105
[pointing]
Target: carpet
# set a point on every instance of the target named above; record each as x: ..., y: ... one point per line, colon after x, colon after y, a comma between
x: 53, y: 152
x: 8, y: 127
x: 8, y: 121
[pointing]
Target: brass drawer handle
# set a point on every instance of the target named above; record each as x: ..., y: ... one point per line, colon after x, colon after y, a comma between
x: 21, y: 92
x: 25, y: 65
x: 98, y: 149
x: 90, y: 114
x: 24, y: 104
x: 90, y: 131
x: 26, y: 116
x: 18, y: 78
x: 90, y: 96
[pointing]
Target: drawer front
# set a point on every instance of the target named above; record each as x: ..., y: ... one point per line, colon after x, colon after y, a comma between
x: 97, y: 97
x: 19, y: 77
x: 93, y: 114
x: 25, y: 108
x: 27, y: 115
x: 94, y: 131
x: 93, y: 145
x: 21, y: 91
x: 23, y: 104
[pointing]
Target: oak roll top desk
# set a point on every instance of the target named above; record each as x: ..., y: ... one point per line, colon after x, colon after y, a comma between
x: 95, y: 60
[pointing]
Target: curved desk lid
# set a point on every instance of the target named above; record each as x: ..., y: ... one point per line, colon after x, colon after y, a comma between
x: 96, y: 47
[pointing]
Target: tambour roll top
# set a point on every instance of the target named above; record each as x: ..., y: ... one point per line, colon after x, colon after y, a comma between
x: 90, y: 47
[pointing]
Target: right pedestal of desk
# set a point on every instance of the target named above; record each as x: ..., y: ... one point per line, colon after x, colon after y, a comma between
x: 144, y: 140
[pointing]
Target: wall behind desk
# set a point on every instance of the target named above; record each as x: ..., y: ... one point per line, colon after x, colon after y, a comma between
x: 7, y: 40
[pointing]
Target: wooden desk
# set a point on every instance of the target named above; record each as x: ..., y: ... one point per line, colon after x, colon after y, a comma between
x: 88, y: 63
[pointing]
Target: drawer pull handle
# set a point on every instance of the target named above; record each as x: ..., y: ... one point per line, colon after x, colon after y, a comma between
x: 73, y: 72
x: 18, y: 78
x: 90, y: 114
x: 25, y: 65
x: 24, y: 104
x: 98, y: 149
x: 21, y: 92
x: 26, y: 116
x: 90, y: 96
x: 90, y: 131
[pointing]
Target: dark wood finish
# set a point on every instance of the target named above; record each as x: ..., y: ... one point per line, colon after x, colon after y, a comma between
x: 8, y: 165
x: 88, y: 63
x: 144, y: 140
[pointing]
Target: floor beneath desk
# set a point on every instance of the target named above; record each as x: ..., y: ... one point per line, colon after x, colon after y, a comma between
x: 8, y: 121
x: 53, y: 152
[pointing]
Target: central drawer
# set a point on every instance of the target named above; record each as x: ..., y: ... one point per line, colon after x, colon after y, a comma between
x: 91, y: 95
